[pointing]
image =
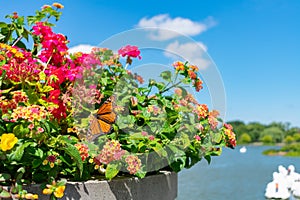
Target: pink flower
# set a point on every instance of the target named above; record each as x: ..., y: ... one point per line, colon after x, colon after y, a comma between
x: 111, y: 151
x: 40, y: 130
x: 134, y: 164
x: 31, y: 126
x: 151, y: 137
x: 130, y: 51
x: 213, y: 122
x: 197, y: 137
x: 228, y: 126
x: 144, y: 133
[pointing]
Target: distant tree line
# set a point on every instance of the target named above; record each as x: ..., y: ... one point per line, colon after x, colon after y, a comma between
x: 275, y: 132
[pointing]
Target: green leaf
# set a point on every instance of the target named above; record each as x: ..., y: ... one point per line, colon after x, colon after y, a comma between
x: 20, y: 130
x: 4, y: 177
x: 74, y: 153
x: 39, y: 153
x: 18, y: 153
x: 2, y: 36
x: 158, y: 148
x: 208, y: 158
x: 141, y: 174
x: 4, y: 194
x: 3, y: 24
x: 20, y: 21
x: 217, y: 138
x: 36, y: 163
x: 166, y: 75
x: 176, y: 158
x: 62, y: 182
x: 21, y: 170
x: 46, y: 89
x: 21, y: 45
x: 160, y: 86
x: 112, y: 170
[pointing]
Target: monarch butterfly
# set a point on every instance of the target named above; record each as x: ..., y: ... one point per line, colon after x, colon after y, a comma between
x: 102, y: 121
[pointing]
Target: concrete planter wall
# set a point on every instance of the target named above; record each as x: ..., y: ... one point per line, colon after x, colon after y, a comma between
x: 155, y: 187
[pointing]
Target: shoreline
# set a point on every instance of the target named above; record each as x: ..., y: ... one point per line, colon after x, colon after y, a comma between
x: 276, y: 151
x: 262, y: 144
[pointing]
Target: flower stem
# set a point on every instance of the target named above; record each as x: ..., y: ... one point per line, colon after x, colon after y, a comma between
x: 168, y: 88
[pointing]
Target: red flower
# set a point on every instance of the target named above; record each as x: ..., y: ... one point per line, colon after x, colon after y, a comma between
x: 130, y: 51
x: 54, y: 94
x: 198, y: 84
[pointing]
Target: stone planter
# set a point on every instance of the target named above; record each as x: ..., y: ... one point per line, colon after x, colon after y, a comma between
x: 161, y: 186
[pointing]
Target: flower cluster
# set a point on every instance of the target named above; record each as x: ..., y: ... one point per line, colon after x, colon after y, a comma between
x: 29, y: 113
x: 111, y: 151
x: 134, y: 164
x: 72, y: 116
x: 191, y: 72
x: 19, y: 64
x: 54, y: 45
x: 231, y: 141
x: 83, y: 150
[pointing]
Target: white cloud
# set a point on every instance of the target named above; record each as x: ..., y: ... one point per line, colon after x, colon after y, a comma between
x: 168, y: 27
x: 193, y: 52
x: 84, y: 48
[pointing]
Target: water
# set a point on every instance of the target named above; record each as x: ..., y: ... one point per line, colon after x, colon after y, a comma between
x: 232, y: 175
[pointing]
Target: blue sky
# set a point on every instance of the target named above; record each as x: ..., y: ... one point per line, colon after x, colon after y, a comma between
x: 253, y: 43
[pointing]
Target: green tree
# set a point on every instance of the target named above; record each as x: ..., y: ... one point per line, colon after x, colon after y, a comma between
x: 254, y: 129
x: 267, y: 139
x: 244, y: 139
x: 276, y: 133
x: 296, y: 137
x: 289, y: 139
x: 293, y: 131
x: 281, y: 125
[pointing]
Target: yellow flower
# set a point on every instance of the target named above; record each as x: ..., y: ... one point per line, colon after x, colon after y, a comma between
x: 8, y: 141
x: 58, y: 5
x: 51, y: 164
x: 45, y: 162
x: 31, y: 196
x: 59, y: 191
x: 47, y: 191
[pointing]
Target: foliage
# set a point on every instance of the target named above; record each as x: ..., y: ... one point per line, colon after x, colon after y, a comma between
x: 256, y: 130
x: 275, y: 132
x: 292, y: 149
x: 289, y: 139
x: 244, y: 139
x: 51, y: 127
x: 267, y: 139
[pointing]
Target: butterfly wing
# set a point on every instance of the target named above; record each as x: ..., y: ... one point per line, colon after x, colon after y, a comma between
x: 106, y: 116
x: 95, y: 126
x: 102, y: 122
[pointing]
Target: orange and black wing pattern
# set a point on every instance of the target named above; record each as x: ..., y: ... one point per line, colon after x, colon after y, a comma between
x: 104, y: 118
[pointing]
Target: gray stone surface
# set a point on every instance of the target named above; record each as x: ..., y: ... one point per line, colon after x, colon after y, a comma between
x: 155, y: 187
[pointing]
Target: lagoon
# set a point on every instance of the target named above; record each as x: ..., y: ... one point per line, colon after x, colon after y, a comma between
x: 233, y: 175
